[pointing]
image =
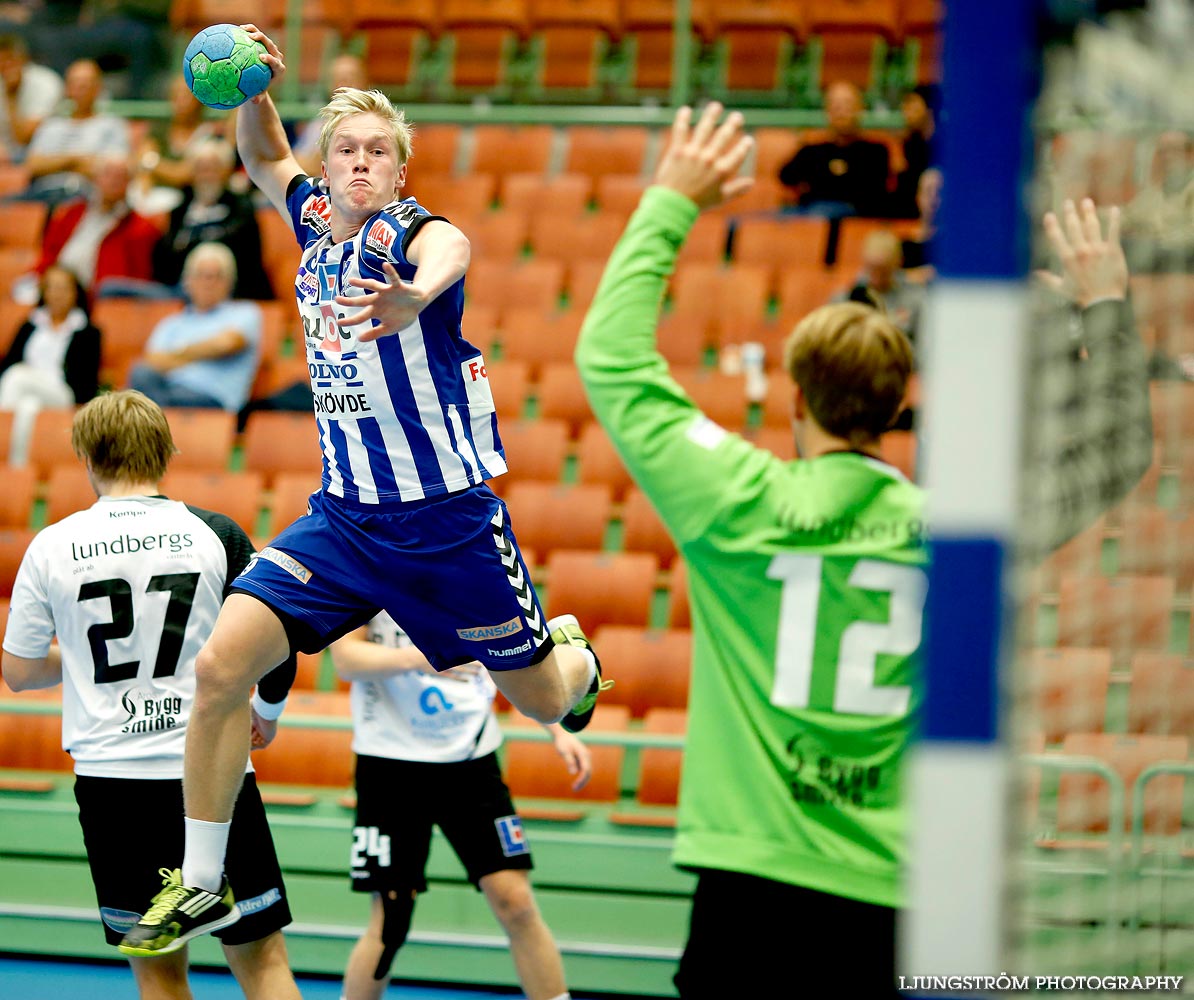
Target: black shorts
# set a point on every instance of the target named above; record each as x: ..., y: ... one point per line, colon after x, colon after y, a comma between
x: 752, y: 936
x: 133, y: 827
x: 400, y: 801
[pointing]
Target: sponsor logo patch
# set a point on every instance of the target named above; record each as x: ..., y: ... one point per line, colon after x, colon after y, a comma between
x: 267, y: 898
x: 503, y: 653
x: 510, y: 833
x: 380, y: 239
x: 288, y: 563
x: 317, y: 213
x: 479, y: 633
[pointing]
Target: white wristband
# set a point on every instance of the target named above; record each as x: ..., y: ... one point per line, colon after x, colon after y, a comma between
x: 267, y: 710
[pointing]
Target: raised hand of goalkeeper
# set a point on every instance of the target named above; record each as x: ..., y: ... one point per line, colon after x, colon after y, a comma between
x: 1093, y: 264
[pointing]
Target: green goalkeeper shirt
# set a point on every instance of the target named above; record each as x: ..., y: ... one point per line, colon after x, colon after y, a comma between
x: 807, y: 584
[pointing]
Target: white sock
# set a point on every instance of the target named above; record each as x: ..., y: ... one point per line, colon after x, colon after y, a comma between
x: 203, y: 858
x: 562, y: 996
x: 590, y: 676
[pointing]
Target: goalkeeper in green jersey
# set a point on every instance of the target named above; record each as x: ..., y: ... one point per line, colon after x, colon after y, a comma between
x: 807, y: 585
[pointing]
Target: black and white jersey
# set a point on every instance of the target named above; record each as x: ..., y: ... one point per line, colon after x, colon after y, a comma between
x: 131, y: 587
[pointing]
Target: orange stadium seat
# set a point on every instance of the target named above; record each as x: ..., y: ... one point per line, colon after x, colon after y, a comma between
x: 466, y: 196
x: 531, y: 194
x: 643, y: 531
x: 503, y: 284
x: 280, y: 441
x: 721, y: 397
x: 620, y: 193
x: 1125, y: 614
x: 773, y: 148
x: 535, y: 449
x: 601, y: 587
x: 23, y: 224
x: 1070, y: 688
x: 12, y: 317
x: 50, y: 443
x: 540, y: 338
x: 278, y: 373
x: 652, y: 666
x: 659, y: 768
x: 509, y: 381
x: 288, y: 499
x: 126, y: 324
x: 16, y: 499
x: 606, y: 149
x: 535, y: 770
x: 573, y: 35
x: 598, y: 462
x: 582, y: 237
x: 781, y: 243
x: 394, y: 35
x: 1158, y: 540
x: 759, y: 36
x: 436, y: 144
x: 512, y: 149
x: 302, y: 756
x: 684, y: 335
x: 483, y: 34
x: 803, y: 289
x: 706, y: 240
x: 561, y: 396
x: 34, y: 741
x: 236, y: 494
x: 650, y: 26
x: 13, y: 543
x: 496, y: 237
x: 15, y: 262
x: 854, y: 37
x: 583, y: 278
x: 549, y: 516
x: 920, y: 26
x: 1083, y: 799
x: 68, y: 490
x: 1161, y: 695
x: 728, y: 292
x: 203, y: 437
x: 679, y: 609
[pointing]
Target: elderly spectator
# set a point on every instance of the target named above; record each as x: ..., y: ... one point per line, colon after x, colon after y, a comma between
x: 211, y: 212
x: 30, y: 93
x: 64, y: 147
x: 99, y: 237
x: 844, y: 174
x: 881, y: 283
x: 206, y: 355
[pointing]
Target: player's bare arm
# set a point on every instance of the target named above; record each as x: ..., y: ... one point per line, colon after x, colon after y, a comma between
x: 702, y: 161
x: 357, y: 659
x: 440, y: 251
x: 23, y: 674
x: 576, y: 756
x: 260, y: 136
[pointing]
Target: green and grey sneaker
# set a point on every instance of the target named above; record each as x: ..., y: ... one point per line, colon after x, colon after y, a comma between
x: 566, y: 631
x: 178, y: 913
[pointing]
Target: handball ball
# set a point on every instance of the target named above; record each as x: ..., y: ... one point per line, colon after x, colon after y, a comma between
x: 222, y: 67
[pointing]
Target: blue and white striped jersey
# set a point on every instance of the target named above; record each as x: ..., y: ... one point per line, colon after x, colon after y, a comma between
x: 406, y: 416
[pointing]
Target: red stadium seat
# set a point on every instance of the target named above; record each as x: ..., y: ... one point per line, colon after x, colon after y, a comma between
x: 652, y: 666
x: 601, y: 587
x: 535, y: 770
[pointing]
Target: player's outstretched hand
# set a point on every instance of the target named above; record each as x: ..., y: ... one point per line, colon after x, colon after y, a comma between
x: 272, y: 58
x: 1093, y: 264
x: 576, y: 756
x: 263, y: 731
x: 702, y: 161
x: 394, y: 304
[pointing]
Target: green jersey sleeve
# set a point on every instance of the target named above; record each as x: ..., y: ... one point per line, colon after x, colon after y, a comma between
x: 658, y: 431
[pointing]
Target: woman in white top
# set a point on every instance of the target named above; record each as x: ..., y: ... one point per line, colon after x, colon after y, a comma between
x: 54, y: 359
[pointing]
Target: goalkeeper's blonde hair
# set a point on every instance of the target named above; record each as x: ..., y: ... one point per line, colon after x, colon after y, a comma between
x: 347, y: 102
x: 853, y: 365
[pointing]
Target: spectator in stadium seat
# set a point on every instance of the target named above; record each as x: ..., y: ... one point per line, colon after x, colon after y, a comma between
x: 881, y: 283
x: 451, y: 778
x: 915, y: 152
x: 844, y: 174
x: 53, y: 361
x: 1159, y: 221
x: 206, y: 355
x: 64, y: 148
x: 790, y: 798
x: 917, y: 249
x: 346, y: 70
x: 165, y: 163
x: 99, y: 237
x: 30, y: 93
x: 211, y: 212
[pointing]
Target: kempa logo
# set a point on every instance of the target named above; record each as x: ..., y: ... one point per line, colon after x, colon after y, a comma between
x: 502, y: 653
x: 288, y: 563
x: 479, y: 633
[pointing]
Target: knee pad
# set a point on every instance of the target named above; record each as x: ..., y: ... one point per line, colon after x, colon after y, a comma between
x: 396, y: 914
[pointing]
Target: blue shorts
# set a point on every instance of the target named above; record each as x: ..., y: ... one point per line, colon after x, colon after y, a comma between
x: 448, y: 570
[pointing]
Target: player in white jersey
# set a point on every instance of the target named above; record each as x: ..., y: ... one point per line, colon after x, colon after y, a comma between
x: 404, y: 521
x: 426, y: 746
x: 131, y: 587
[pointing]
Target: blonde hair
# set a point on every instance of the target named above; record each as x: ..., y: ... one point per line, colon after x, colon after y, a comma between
x: 853, y: 364
x: 348, y: 102
x: 124, y: 437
